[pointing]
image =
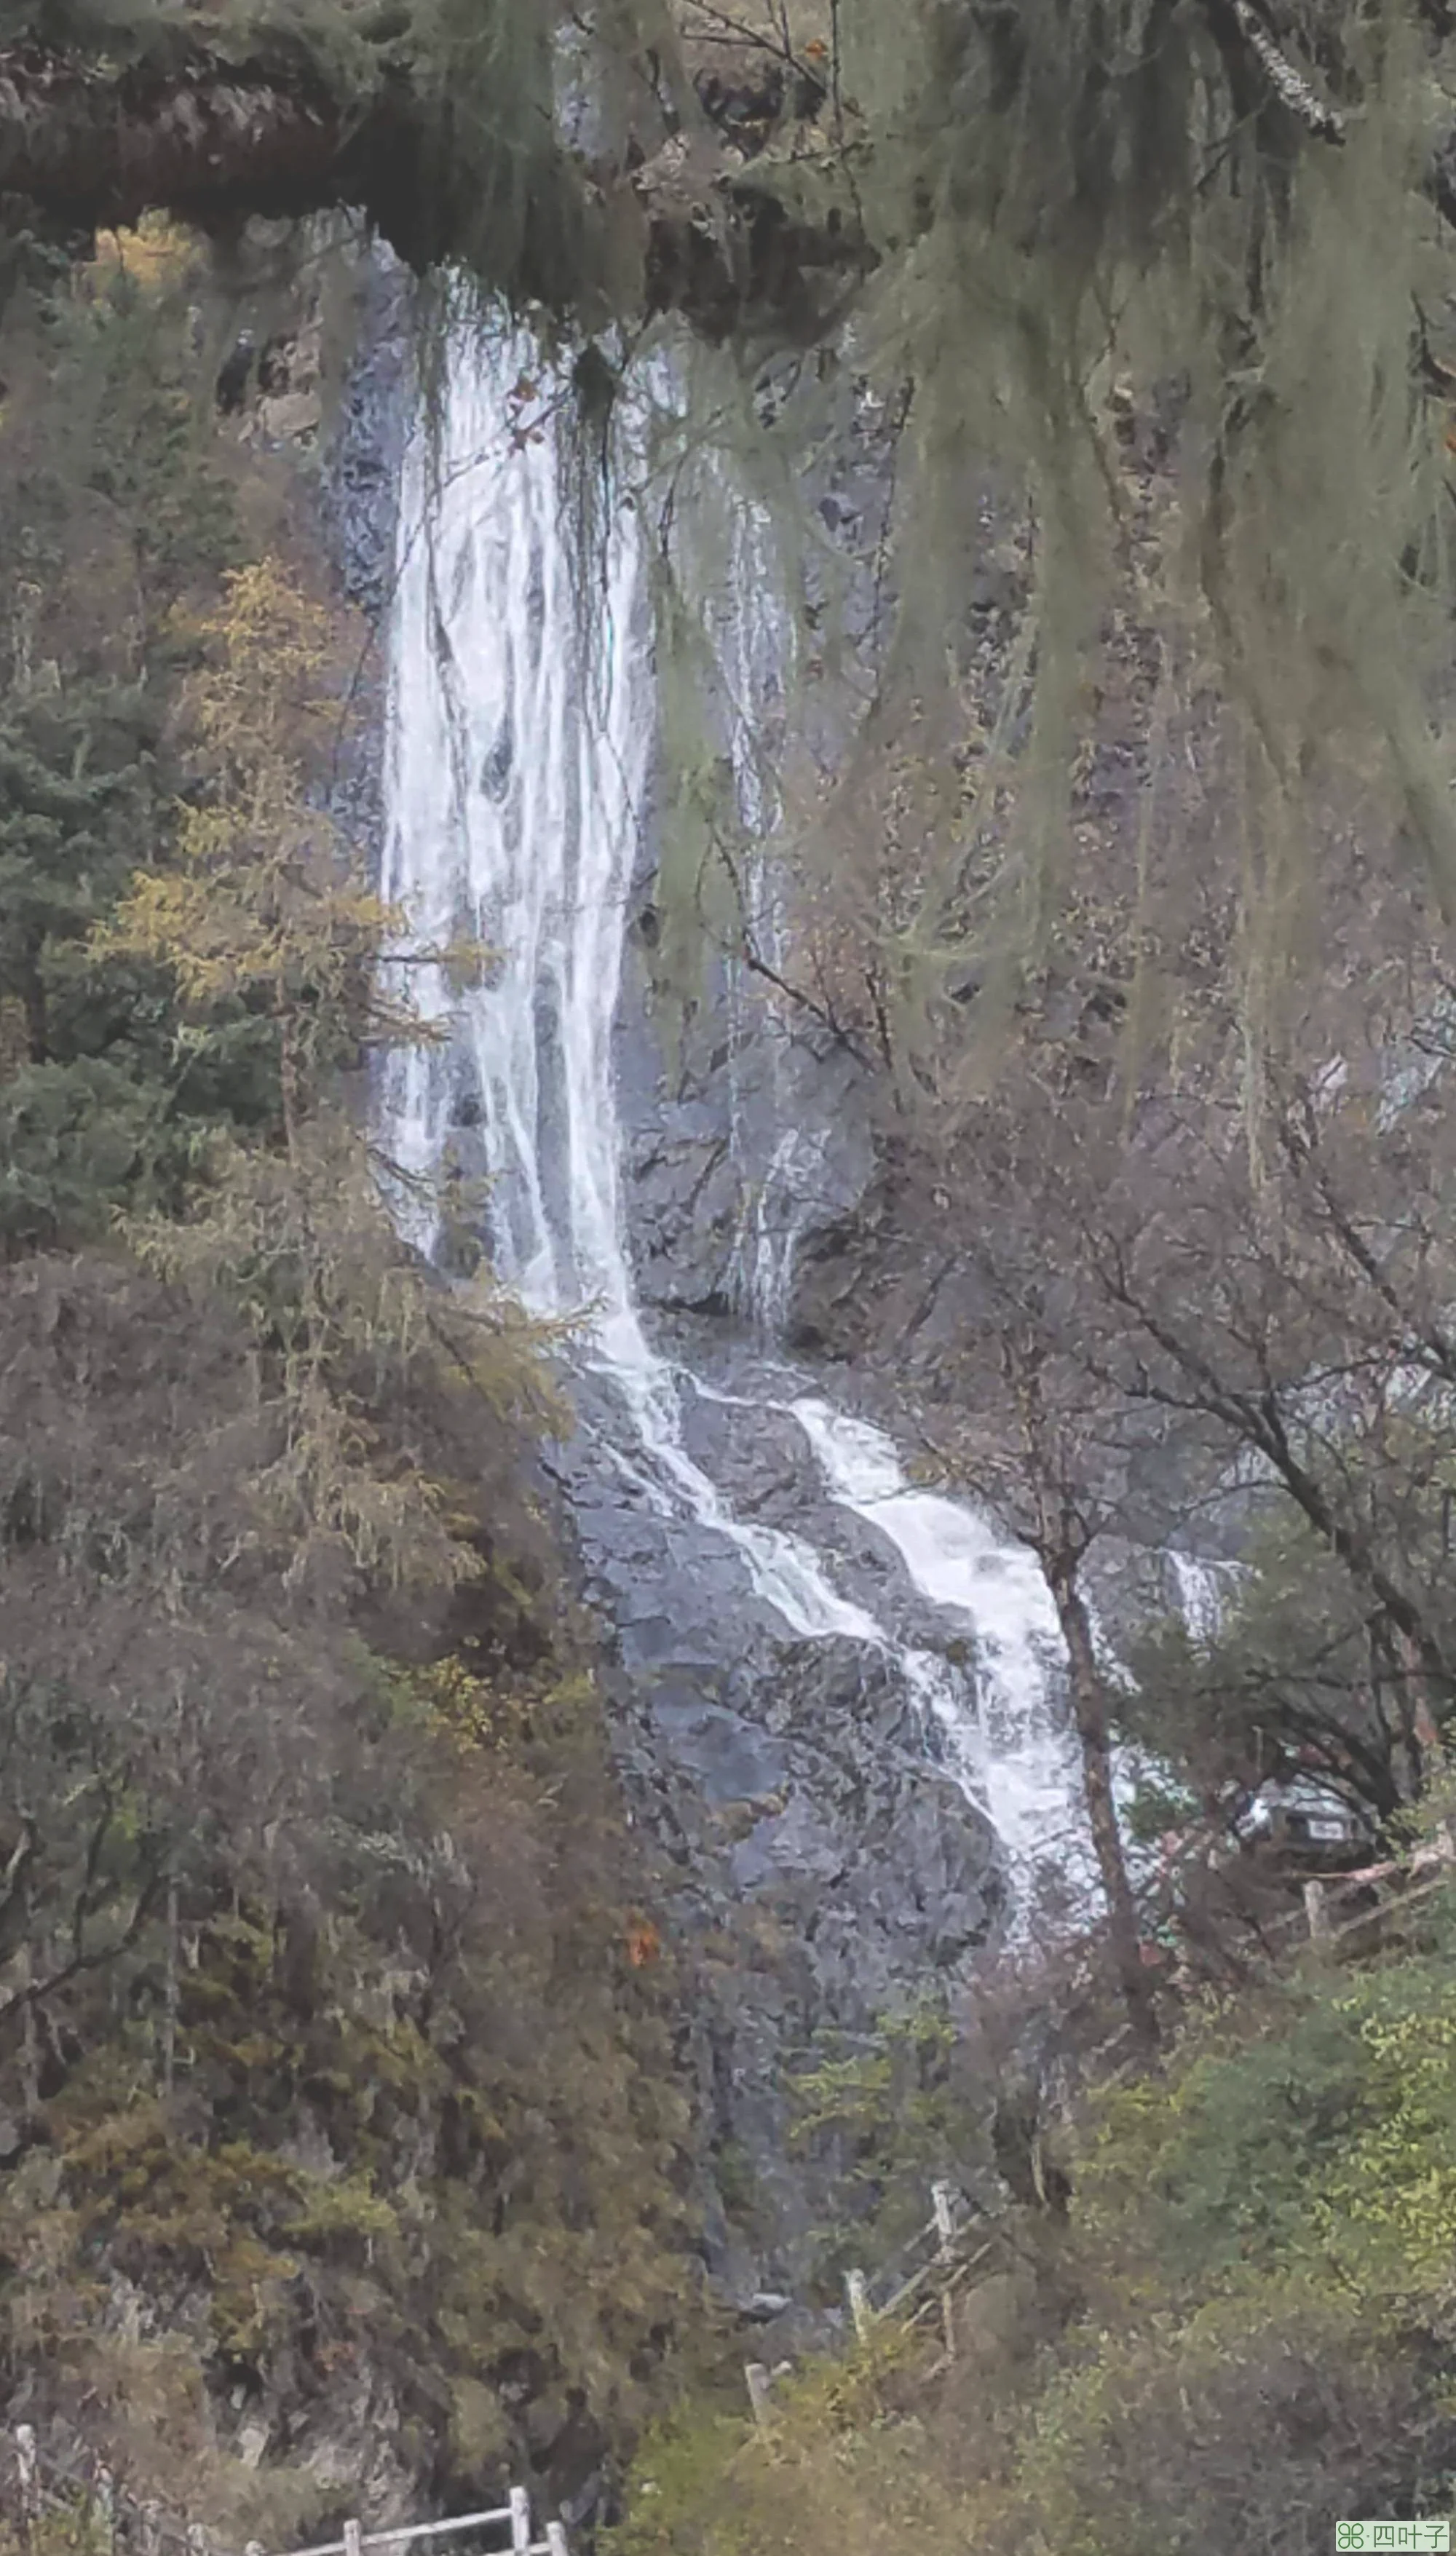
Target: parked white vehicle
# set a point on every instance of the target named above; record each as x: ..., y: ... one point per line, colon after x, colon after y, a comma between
x: 1303, y: 1811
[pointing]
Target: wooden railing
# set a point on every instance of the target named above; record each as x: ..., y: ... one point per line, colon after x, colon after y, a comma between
x: 113, y: 2521
x: 956, y: 2243
x: 915, y: 2288
x: 1325, y: 1917
x: 1324, y: 1921
x: 516, y: 2514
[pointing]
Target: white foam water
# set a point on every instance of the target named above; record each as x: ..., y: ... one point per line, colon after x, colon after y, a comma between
x: 1014, y: 1753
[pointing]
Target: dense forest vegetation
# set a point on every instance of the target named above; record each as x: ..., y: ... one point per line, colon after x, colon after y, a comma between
x: 1241, y: 2330
x: 335, y: 2107
x: 343, y: 2140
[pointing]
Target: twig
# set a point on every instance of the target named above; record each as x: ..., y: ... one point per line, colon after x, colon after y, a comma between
x: 775, y: 41
x: 758, y: 965
x: 35, y: 1992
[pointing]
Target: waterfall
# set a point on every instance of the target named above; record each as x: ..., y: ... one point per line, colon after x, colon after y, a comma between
x: 779, y: 1208
x: 752, y: 648
x: 1203, y: 1590
x: 514, y: 802
x: 515, y: 785
x: 516, y: 776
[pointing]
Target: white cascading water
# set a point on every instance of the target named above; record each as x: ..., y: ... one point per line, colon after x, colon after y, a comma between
x: 1203, y: 1590
x: 779, y: 1212
x: 751, y: 637
x: 515, y: 787
x: 1015, y: 1756
x: 515, y: 783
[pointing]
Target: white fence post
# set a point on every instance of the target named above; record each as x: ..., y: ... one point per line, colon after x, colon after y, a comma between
x: 353, y: 2531
x: 556, y: 2538
x: 857, y: 2292
x: 1317, y: 1915
x: 520, y: 2521
x: 944, y: 2231
x: 105, y: 2489
x: 28, y: 2471
x: 170, y: 1998
x: 759, y: 2390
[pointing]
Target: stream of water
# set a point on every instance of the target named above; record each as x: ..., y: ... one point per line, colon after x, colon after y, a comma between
x: 517, y: 777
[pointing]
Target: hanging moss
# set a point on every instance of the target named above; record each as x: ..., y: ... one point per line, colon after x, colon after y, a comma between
x: 1122, y: 207
x: 1151, y: 317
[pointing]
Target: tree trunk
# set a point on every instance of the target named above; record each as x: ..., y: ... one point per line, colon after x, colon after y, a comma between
x: 37, y: 1012
x: 1089, y: 1713
x: 1429, y: 1677
x: 1395, y: 1671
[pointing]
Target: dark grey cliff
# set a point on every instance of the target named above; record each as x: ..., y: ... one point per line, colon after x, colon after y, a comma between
x: 826, y: 1869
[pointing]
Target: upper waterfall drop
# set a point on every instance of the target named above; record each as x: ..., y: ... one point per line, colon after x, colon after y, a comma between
x: 514, y: 792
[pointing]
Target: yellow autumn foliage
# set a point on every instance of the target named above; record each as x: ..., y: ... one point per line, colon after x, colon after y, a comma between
x: 155, y: 255
x: 259, y: 902
x: 260, y: 908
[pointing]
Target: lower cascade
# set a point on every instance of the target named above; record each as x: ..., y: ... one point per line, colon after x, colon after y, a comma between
x: 863, y: 1615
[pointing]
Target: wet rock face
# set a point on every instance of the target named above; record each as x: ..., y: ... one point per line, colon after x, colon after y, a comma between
x: 357, y: 492
x: 825, y: 1867
x: 753, y: 1143
x: 819, y: 1868
x: 819, y: 1871
x: 686, y: 1194
x: 882, y: 1270
x: 360, y: 463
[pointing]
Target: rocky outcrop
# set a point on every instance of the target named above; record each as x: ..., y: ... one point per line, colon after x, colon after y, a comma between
x: 756, y: 1141
x: 819, y: 1868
